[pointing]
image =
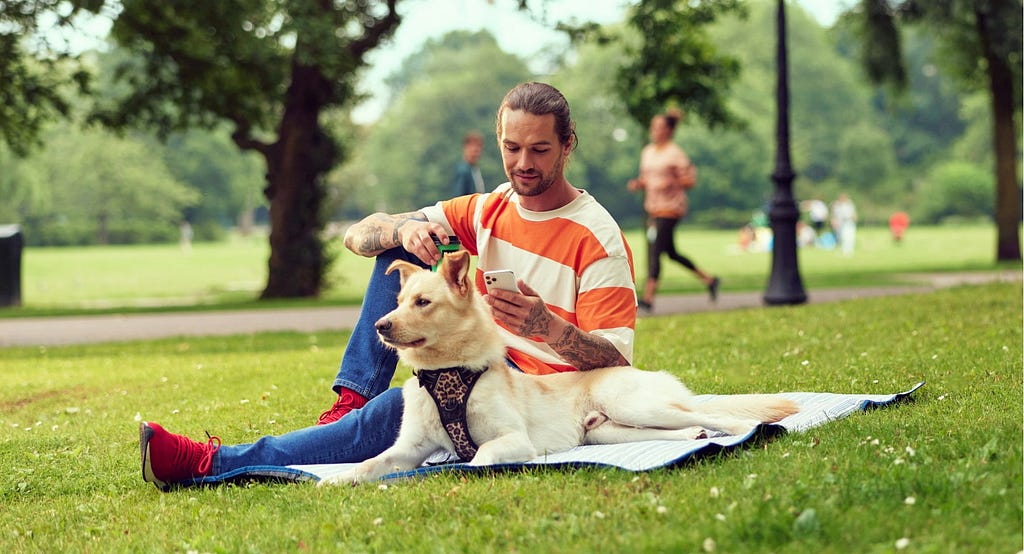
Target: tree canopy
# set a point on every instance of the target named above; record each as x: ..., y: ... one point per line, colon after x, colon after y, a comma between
x: 269, y: 69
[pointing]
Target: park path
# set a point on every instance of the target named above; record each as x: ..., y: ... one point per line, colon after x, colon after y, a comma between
x: 54, y: 331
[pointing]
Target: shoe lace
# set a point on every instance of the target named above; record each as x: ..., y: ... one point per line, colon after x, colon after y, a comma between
x: 197, y: 454
x: 341, y: 403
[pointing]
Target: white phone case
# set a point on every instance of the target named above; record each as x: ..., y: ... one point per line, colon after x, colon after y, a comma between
x: 500, y: 279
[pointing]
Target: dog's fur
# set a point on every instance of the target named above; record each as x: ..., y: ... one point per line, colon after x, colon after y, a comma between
x: 442, y: 322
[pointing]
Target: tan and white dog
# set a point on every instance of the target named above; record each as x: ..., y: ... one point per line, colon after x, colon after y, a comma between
x: 441, y: 322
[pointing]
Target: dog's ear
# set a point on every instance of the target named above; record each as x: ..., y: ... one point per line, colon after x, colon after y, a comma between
x: 455, y: 270
x: 404, y: 269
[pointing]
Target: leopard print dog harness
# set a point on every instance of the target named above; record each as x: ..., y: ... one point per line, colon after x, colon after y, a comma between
x: 450, y: 388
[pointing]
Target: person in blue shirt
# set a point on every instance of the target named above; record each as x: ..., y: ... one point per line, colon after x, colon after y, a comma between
x: 467, y: 173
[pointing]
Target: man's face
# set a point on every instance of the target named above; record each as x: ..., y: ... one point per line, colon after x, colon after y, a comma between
x: 530, y: 151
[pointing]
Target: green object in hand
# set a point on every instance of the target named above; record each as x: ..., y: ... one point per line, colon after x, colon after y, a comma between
x: 452, y: 246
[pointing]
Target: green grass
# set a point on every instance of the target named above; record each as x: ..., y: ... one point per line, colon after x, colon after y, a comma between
x: 228, y: 274
x: 231, y: 274
x: 944, y: 471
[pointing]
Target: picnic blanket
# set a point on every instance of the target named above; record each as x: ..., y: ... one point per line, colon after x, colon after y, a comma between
x: 816, y: 408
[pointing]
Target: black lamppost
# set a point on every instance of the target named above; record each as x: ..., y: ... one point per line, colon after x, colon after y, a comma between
x: 784, y: 284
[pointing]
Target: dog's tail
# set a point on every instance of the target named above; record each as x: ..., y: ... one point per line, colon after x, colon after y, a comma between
x: 765, y: 408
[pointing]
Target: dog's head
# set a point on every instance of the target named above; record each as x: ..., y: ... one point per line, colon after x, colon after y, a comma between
x: 440, y: 320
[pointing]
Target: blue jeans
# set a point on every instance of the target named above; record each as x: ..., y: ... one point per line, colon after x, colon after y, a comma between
x: 367, y: 368
x: 360, y: 435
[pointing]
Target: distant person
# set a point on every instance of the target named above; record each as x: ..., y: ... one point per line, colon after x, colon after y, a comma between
x: 805, y: 235
x: 467, y: 173
x: 844, y: 223
x: 817, y: 212
x: 898, y: 223
x: 185, y: 230
x: 747, y: 238
x: 666, y: 173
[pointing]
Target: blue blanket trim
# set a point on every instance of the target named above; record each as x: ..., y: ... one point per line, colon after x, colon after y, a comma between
x: 255, y: 473
x: 711, y: 447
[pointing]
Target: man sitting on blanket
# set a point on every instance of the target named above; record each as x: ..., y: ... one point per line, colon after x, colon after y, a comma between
x: 576, y: 309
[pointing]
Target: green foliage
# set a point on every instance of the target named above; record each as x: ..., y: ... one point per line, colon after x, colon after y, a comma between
x: 227, y: 180
x: 955, y: 190
x: 945, y: 469
x: 37, y: 73
x: 981, y: 44
x: 827, y: 99
x: 608, y: 151
x: 93, y: 187
x: 734, y: 164
x: 413, y: 149
x: 924, y: 119
x: 194, y: 66
x: 270, y: 70
x: 676, y: 61
x: 866, y: 159
x: 975, y: 144
x: 144, y: 187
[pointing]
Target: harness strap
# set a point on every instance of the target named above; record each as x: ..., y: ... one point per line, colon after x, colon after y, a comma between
x: 450, y: 388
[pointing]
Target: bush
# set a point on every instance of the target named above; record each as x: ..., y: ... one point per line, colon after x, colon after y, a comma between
x: 719, y: 218
x: 58, y: 233
x: 955, y: 190
x: 209, y: 231
x: 142, y: 232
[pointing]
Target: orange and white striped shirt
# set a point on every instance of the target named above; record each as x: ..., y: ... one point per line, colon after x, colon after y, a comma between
x: 575, y: 257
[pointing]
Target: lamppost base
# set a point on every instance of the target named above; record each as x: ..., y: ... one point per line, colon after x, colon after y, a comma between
x: 786, y: 299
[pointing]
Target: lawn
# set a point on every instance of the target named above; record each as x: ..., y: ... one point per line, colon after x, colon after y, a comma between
x: 232, y: 273
x: 940, y: 474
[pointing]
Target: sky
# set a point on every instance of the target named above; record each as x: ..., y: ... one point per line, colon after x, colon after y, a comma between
x: 515, y: 32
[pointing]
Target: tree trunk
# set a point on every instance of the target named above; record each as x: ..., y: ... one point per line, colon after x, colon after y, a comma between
x: 103, y: 229
x: 1008, y: 196
x: 296, y: 164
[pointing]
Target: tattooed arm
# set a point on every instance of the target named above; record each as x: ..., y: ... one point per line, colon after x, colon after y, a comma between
x: 529, y: 316
x: 379, y: 232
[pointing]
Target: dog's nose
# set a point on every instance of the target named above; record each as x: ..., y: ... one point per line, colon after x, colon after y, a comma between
x: 383, y: 325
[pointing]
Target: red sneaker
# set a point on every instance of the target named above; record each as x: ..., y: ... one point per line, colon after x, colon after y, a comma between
x: 347, y: 401
x: 168, y: 458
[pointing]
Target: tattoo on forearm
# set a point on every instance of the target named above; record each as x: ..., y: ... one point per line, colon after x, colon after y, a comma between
x: 372, y: 241
x: 536, y: 323
x: 585, y: 351
x: 405, y: 218
x: 379, y: 232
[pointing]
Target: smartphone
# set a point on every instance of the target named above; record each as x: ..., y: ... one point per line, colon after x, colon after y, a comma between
x: 500, y: 279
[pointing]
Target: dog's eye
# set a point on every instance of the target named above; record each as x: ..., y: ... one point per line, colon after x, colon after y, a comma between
x: 422, y: 302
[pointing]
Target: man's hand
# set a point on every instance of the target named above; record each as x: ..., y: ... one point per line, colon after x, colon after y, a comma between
x: 379, y: 232
x: 415, y: 237
x: 526, y: 314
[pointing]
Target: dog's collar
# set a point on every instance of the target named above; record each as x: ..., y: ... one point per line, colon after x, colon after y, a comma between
x: 450, y: 388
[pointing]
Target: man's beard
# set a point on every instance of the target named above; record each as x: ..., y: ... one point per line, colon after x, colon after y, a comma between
x: 543, y: 184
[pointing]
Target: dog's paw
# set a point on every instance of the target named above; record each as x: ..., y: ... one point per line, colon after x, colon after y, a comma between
x: 341, y: 479
x: 694, y: 433
x: 359, y: 474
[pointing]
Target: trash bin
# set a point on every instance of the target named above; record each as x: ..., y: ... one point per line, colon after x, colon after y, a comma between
x: 11, y: 244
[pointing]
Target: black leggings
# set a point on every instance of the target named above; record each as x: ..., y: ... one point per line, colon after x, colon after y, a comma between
x: 663, y: 243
